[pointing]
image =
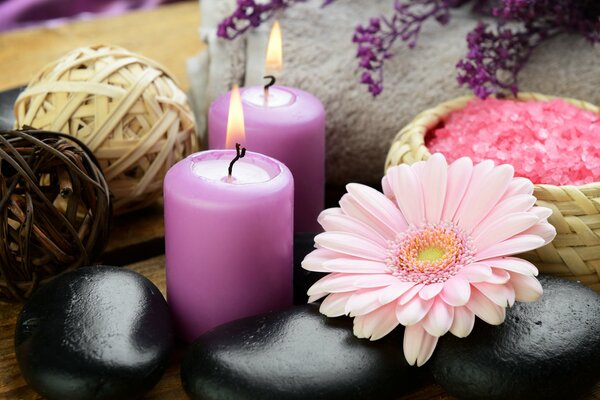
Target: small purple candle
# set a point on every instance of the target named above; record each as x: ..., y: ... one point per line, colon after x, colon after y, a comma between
x: 287, y: 124
x: 229, y: 238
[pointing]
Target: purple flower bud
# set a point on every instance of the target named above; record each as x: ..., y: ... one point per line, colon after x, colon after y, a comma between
x: 366, y: 78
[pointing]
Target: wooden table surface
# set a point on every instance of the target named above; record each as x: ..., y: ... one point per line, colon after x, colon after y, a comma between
x: 169, y: 35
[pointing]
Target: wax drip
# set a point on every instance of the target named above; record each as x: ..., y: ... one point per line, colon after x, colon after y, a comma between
x: 268, y: 85
x: 238, y: 154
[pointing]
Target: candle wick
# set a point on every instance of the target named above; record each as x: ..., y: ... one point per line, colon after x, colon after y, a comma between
x: 238, y: 155
x: 267, y: 86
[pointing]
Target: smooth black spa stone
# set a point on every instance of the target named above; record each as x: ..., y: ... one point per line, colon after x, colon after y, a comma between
x: 296, y: 354
x: 94, y: 333
x: 549, y: 349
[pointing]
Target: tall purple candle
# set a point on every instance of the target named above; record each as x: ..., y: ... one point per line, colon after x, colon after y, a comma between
x: 229, y: 240
x: 288, y: 125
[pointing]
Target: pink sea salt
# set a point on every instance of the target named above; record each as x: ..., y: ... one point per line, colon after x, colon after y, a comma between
x: 550, y: 142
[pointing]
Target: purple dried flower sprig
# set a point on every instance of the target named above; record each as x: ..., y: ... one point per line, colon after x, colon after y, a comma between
x: 496, y: 57
x: 376, y: 39
x: 251, y: 14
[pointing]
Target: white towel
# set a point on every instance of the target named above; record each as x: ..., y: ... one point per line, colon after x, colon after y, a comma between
x: 319, y: 57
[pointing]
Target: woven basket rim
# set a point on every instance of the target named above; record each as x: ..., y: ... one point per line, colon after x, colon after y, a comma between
x: 447, y: 107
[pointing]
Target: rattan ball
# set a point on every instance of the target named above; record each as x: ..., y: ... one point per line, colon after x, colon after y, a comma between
x: 124, y: 107
x: 55, y: 207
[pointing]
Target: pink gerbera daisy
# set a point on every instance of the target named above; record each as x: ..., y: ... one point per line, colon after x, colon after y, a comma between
x: 431, y: 252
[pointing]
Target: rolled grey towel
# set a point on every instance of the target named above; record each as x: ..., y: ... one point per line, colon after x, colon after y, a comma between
x: 319, y: 57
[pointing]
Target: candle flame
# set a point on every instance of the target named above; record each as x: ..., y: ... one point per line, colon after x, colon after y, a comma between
x: 235, y: 120
x: 274, y: 59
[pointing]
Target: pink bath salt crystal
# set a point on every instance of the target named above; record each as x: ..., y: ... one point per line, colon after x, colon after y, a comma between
x: 550, y: 142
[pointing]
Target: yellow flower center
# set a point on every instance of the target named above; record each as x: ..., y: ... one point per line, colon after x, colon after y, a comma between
x: 431, y: 254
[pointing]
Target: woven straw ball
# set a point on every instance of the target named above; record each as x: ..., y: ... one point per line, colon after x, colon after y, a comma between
x: 575, y: 252
x: 124, y: 107
x: 55, y: 207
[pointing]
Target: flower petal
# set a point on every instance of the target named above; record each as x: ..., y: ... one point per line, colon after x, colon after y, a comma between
x: 439, y: 318
x: 314, y: 261
x: 427, y: 349
x: 363, y: 302
x: 475, y: 272
x: 315, y: 297
x: 515, y: 245
x: 499, y: 276
x: 506, y: 228
x: 334, y: 305
x: 413, y: 311
x: 393, y: 292
x: 503, y: 295
x: 518, y: 203
x: 345, y: 223
x: 351, y: 244
x: 434, y: 186
x: 351, y: 207
x: 463, y: 322
x: 336, y: 283
x: 408, y: 192
x: 380, y: 322
x: 456, y: 292
x: 375, y: 280
x: 518, y: 185
x: 378, y: 206
x: 358, y: 327
x: 527, y: 288
x: 459, y: 175
x: 513, y: 264
x: 418, y: 345
x: 485, y: 309
x: 351, y: 265
x: 478, y: 172
x: 482, y: 196
x: 544, y: 230
x: 543, y: 213
x: 431, y: 290
x: 412, y: 292
x: 387, y: 189
x: 331, y: 211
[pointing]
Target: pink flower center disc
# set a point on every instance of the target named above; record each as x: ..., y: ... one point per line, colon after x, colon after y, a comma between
x: 430, y: 254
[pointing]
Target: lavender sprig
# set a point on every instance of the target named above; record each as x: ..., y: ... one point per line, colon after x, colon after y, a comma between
x: 376, y: 39
x: 495, y: 58
x: 250, y: 14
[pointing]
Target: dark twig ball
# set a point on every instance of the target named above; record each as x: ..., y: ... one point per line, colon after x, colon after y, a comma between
x: 55, y: 209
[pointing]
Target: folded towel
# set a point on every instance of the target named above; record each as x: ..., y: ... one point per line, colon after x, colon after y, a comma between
x: 319, y: 57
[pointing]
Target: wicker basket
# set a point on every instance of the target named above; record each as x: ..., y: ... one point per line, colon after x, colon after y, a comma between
x: 575, y: 252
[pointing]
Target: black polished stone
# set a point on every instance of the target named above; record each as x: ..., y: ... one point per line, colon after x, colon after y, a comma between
x: 296, y: 354
x: 94, y: 333
x: 549, y: 349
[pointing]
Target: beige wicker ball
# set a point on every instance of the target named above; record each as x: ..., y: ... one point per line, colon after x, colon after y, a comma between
x: 575, y: 252
x: 125, y: 107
